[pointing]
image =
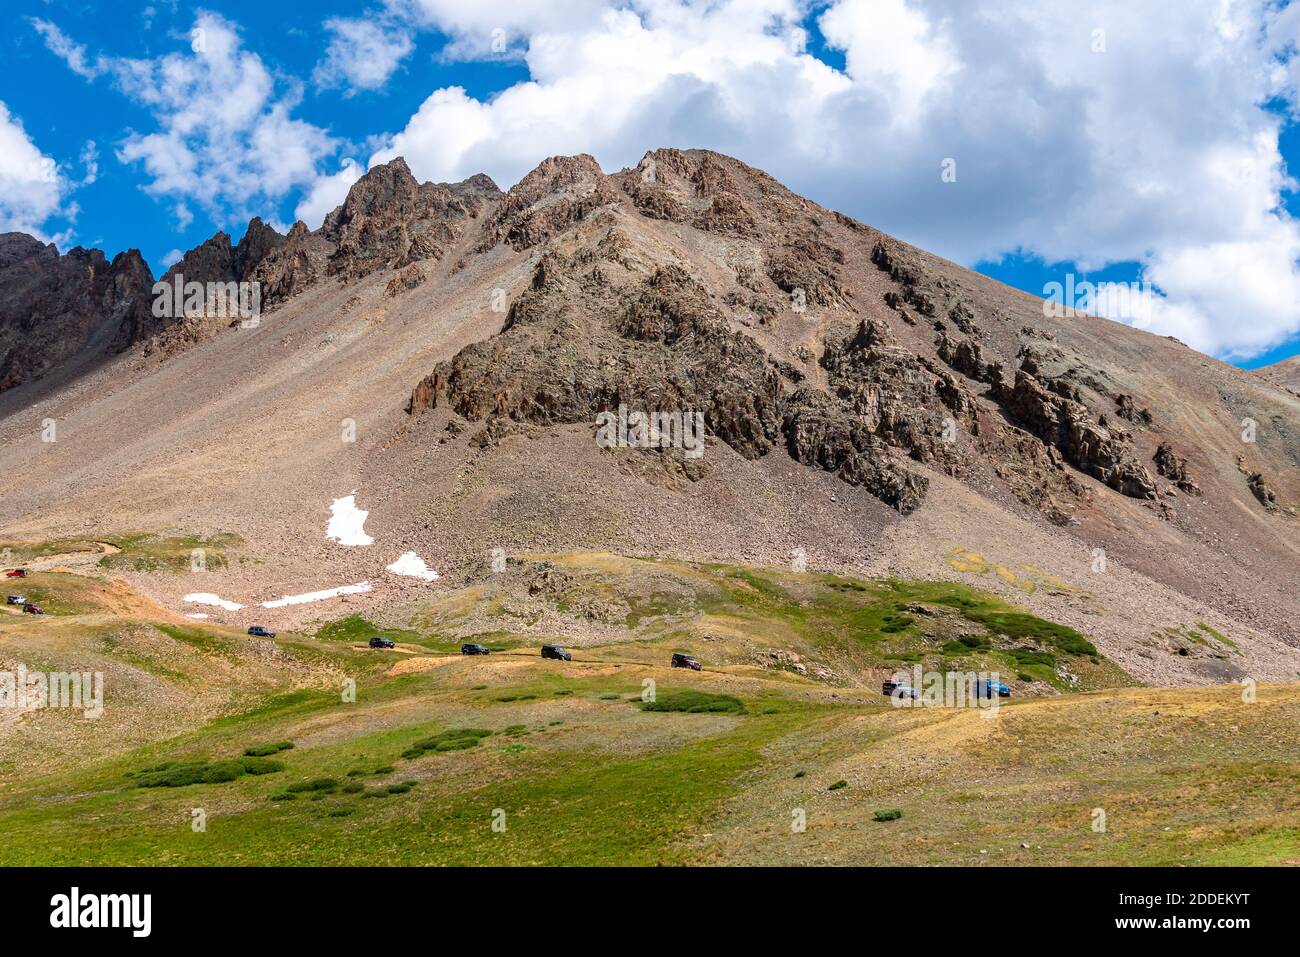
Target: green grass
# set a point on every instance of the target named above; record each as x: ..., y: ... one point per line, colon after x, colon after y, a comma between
x: 356, y: 629
x: 263, y: 750
x: 694, y: 702
x: 178, y: 774
x: 174, y: 553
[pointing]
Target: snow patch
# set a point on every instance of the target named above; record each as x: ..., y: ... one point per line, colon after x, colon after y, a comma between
x: 413, y: 566
x: 197, y: 614
x: 346, y: 522
x: 207, y: 598
x: 318, y: 595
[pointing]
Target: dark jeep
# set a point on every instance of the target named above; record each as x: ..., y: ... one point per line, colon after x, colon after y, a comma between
x: 556, y: 652
x: 474, y: 649
x: 379, y: 641
x: 258, y: 631
x: 685, y: 661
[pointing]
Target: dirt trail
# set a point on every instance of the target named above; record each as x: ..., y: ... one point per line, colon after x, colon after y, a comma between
x: 54, y: 562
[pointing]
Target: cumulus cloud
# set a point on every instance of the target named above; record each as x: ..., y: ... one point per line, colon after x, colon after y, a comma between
x: 32, y: 190
x: 1092, y: 133
x: 362, y: 54
x: 226, y: 139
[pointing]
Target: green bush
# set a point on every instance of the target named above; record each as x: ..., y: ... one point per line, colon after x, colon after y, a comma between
x: 800, y: 774
x: 695, y: 702
x: 178, y: 774
x: 841, y: 783
x: 888, y: 814
x: 453, y: 739
x: 258, y: 766
x: 284, y: 796
x: 353, y: 787
x: 341, y: 812
x: 315, y: 784
x: 263, y: 750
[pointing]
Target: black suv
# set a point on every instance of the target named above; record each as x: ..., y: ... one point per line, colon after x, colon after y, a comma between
x: 556, y: 652
x: 685, y: 661
x: 260, y: 632
x: 473, y: 649
x: 379, y: 641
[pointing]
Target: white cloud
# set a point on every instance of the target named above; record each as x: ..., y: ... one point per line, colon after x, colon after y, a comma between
x: 226, y: 139
x: 90, y: 161
x: 72, y: 53
x: 362, y: 54
x: 327, y: 193
x: 32, y: 189
x: 1147, y: 142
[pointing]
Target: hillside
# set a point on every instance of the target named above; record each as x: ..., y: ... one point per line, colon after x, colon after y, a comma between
x: 313, y: 749
x: 444, y: 350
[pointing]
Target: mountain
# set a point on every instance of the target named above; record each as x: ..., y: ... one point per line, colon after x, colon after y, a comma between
x: 446, y: 353
x: 1285, y: 374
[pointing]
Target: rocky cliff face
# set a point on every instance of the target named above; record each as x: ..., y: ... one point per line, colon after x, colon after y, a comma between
x: 54, y: 308
x: 390, y: 220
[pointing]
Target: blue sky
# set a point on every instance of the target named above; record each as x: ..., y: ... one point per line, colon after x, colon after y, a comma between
x: 1076, y: 153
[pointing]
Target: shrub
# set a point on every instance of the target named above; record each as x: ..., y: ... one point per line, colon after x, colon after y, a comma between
x: 353, y: 787
x: 315, y: 784
x: 341, y: 812
x: 398, y: 788
x: 695, y: 702
x: 258, y: 766
x: 888, y: 814
x: 453, y: 739
x: 800, y: 774
x: 262, y: 750
x: 178, y: 774
x: 284, y: 796
x: 841, y: 783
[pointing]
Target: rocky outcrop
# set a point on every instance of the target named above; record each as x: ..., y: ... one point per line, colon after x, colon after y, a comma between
x: 293, y: 265
x: 1174, y: 468
x: 576, y: 344
x: 56, y: 307
x: 563, y: 190
x: 390, y: 220
x: 1068, y: 426
x: 1262, y: 491
x: 965, y: 355
x: 259, y: 241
